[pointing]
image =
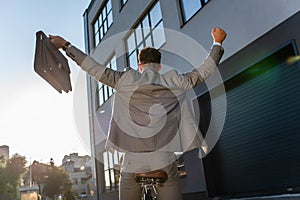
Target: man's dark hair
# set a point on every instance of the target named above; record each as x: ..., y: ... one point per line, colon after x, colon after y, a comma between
x: 149, y: 55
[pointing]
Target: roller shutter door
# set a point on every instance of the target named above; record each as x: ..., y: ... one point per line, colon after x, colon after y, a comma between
x: 259, y: 148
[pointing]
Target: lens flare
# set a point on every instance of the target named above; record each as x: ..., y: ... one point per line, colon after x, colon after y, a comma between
x: 293, y: 59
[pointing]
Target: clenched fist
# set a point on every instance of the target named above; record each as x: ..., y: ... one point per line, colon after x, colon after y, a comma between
x: 57, y: 41
x: 218, y: 35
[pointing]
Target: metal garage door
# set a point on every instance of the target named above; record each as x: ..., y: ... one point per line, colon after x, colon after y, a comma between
x: 259, y: 148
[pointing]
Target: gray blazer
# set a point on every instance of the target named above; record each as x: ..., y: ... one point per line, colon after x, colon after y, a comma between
x: 150, y: 110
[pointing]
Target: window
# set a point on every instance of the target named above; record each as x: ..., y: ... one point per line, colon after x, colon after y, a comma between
x: 111, y: 169
x: 180, y: 164
x: 75, y: 181
x: 190, y: 7
x: 103, y: 23
x: 148, y: 32
x: 123, y: 2
x: 104, y: 92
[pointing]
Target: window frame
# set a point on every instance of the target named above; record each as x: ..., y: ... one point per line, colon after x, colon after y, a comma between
x: 182, y: 13
x: 109, y: 168
x: 106, y: 91
x: 123, y: 3
x: 149, y: 36
x: 104, y: 16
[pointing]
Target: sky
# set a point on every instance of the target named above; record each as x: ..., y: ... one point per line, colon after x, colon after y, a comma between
x: 35, y: 120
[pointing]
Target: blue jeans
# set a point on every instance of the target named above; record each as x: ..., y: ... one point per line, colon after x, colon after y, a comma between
x: 130, y: 190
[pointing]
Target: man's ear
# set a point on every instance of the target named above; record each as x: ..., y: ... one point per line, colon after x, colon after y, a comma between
x: 140, y: 67
x: 159, y: 68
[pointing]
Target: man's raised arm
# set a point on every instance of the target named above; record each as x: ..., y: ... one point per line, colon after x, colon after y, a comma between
x: 207, y: 68
x: 98, y: 71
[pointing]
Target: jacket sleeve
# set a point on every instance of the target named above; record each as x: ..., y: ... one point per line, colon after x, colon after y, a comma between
x: 199, y: 74
x: 98, y: 71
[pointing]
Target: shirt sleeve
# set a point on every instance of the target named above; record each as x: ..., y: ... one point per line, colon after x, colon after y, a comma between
x: 200, y: 73
x: 98, y: 71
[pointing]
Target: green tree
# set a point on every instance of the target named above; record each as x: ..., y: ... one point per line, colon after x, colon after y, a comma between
x: 68, y: 193
x: 57, y: 183
x: 52, y: 180
x: 39, y: 174
x: 10, y: 173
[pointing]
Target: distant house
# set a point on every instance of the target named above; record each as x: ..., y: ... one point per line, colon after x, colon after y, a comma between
x: 80, y: 173
x: 4, y: 152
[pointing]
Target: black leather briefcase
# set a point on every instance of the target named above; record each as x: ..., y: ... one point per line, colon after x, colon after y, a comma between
x: 51, y: 64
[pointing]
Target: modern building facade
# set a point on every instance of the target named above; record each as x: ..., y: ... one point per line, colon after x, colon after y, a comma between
x: 256, y: 152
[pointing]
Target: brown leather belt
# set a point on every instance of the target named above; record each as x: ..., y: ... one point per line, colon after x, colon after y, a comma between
x: 157, y: 174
